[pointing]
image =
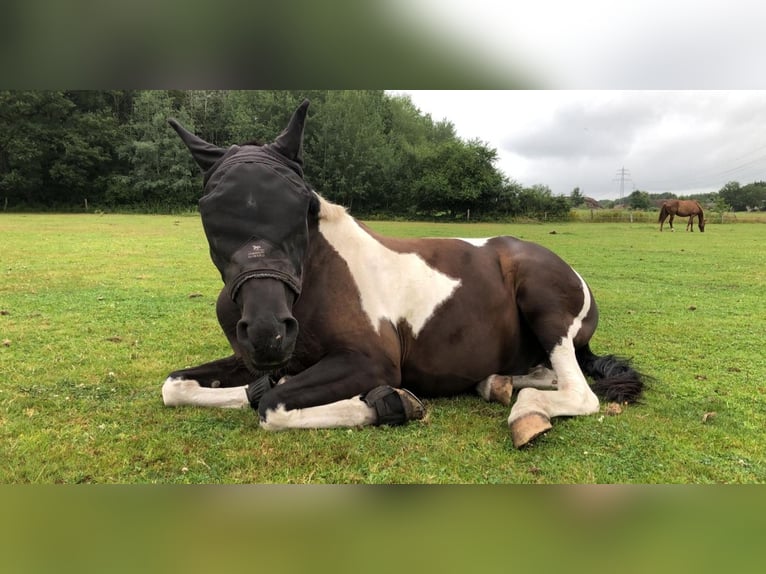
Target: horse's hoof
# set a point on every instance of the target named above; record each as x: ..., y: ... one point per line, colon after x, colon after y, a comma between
x: 413, y: 408
x: 529, y: 427
x: 500, y: 389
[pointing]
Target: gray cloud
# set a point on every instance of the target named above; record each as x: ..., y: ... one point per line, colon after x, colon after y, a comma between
x: 668, y: 141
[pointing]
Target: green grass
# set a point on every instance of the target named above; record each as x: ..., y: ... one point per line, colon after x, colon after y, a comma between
x: 98, y: 309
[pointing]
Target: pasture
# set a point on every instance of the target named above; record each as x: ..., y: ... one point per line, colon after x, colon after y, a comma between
x: 97, y: 309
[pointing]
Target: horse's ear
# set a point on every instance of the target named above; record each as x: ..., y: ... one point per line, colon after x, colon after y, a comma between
x: 290, y: 142
x: 204, y: 153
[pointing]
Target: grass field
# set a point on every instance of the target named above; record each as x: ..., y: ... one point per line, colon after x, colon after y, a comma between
x: 97, y: 309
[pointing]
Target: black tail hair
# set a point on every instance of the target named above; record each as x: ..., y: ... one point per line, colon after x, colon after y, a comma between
x: 614, y: 379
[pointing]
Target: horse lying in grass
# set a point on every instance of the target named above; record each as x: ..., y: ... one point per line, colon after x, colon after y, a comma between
x: 333, y: 325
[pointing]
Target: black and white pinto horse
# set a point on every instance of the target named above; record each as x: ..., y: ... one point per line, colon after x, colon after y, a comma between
x: 333, y: 325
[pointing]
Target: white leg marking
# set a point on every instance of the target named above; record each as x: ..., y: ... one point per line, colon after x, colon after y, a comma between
x: 347, y: 413
x: 179, y: 392
x: 574, y: 396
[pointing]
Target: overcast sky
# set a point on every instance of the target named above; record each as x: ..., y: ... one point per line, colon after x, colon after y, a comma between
x: 679, y: 141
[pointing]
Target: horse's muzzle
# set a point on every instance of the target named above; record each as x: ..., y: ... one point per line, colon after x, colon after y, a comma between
x: 267, y: 342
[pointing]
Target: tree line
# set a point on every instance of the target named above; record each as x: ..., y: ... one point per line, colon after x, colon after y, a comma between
x: 371, y: 151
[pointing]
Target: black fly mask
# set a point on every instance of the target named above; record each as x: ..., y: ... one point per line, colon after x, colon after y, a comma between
x: 254, y: 213
x: 255, y: 206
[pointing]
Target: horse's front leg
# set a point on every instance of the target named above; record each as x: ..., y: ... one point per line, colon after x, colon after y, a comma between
x: 223, y: 383
x: 342, y: 390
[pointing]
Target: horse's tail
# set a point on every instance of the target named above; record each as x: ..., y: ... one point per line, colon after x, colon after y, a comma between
x: 663, y: 213
x: 614, y: 379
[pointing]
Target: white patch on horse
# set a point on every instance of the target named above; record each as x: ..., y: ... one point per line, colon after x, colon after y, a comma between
x: 392, y: 286
x: 475, y: 241
x: 346, y: 413
x: 576, y: 325
x: 564, y: 362
x: 186, y: 392
x: 574, y: 396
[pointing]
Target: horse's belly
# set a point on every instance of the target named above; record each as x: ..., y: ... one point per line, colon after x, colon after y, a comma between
x: 445, y: 368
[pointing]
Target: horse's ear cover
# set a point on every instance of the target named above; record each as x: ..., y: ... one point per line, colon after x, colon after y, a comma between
x: 290, y: 142
x: 204, y: 153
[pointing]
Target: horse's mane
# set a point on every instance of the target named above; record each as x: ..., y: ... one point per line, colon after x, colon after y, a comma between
x: 330, y: 211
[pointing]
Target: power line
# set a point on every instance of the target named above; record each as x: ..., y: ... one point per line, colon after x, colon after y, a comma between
x: 623, y: 175
x: 748, y: 165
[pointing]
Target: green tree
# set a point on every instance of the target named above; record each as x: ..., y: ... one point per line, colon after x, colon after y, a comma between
x: 86, y: 156
x: 639, y: 200
x: 456, y: 177
x: 351, y: 160
x: 161, y: 174
x: 31, y: 129
x: 576, y: 198
x: 731, y: 195
x: 753, y: 195
x: 720, y: 206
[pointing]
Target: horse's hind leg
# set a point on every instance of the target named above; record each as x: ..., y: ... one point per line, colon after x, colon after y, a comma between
x: 534, y: 408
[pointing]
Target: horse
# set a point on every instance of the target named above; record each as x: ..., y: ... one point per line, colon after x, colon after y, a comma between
x: 683, y: 208
x: 334, y: 325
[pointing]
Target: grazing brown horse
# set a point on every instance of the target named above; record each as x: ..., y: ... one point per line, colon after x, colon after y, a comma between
x: 334, y: 325
x: 683, y: 208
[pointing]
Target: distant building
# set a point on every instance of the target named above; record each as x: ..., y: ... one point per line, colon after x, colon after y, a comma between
x: 591, y: 203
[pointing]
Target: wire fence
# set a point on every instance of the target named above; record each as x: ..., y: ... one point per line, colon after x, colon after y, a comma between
x: 635, y: 216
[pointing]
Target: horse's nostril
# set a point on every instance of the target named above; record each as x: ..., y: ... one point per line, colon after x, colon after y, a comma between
x: 242, y: 335
x: 291, y: 328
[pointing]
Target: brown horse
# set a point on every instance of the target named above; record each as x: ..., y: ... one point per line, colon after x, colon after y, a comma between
x: 683, y: 208
x: 334, y: 325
